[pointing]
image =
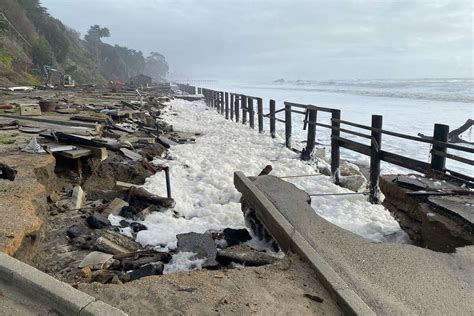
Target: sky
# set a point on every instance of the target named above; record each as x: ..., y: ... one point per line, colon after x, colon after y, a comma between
x: 291, y: 39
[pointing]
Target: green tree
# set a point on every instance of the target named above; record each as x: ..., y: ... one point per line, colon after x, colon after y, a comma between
x: 95, y: 33
x: 156, y: 65
x: 42, y: 53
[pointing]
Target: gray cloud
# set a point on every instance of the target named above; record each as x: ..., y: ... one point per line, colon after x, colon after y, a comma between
x: 295, y: 39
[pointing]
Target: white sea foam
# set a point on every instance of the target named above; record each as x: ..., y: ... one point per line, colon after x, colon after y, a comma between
x: 202, y: 181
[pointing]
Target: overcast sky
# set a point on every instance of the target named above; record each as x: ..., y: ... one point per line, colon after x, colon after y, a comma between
x: 293, y: 39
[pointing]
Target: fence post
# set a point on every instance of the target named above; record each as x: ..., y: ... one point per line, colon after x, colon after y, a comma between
x: 272, y: 118
x: 222, y: 103
x: 440, y: 133
x: 251, y: 113
x: 236, y: 107
x: 226, y: 105
x: 335, y: 150
x: 199, y: 90
x: 231, y: 106
x: 311, y: 140
x: 288, y: 125
x: 243, y: 103
x: 375, y: 148
x: 260, y: 114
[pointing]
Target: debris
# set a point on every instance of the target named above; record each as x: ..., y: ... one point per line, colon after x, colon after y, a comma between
x: 236, y: 236
x: 136, y: 259
x: 131, y: 154
x: 21, y: 88
x: 7, y: 172
x: 98, y: 221
x: 78, y: 230
x: 96, y: 258
x: 314, y: 297
x: 105, y: 245
x: 244, y: 255
x: 121, y: 240
x: 78, y: 198
x: 147, y: 270
x: 30, y: 110
x: 123, y: 185
x: 201, y: 244
x: 115, y: 207
x: 33, y: 147
x: 136, y: 227
x: 86, y: 273
x: 67, y: 111
x: 6, y: 106
x: 266, y: 171
x: 102, y: 276
x: 140, y: 195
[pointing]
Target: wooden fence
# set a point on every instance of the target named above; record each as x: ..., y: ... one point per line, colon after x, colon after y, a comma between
x: 239, y: 108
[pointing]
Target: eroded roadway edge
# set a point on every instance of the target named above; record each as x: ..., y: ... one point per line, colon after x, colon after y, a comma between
x: 290, y: 239
x: 43, y: 289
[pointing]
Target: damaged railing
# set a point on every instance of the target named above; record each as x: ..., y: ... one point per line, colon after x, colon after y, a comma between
x: 243, y: 105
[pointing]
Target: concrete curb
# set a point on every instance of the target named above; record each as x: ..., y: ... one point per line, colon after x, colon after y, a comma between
x: 289, y: 239
x: 45, y: 289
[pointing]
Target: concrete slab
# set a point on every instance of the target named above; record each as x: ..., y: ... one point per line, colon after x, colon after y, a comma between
x: 390, y: 278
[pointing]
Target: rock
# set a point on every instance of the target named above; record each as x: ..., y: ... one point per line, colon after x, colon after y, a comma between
x: 102, y: 276
x: 78, y: 198
x: 236, y: 236
x: 115, y: 207
x: 128, y: 212
x: 54, y: 197
x: 86, y: 273
x: 136, y: 227
x: 147, y: 270
x: 85, y: 242
x: 201, y: 244
x: 145, y: 212
x: 349, y: 169
x: 353, y: 183
x: 98, y: 221
x: 96, y: 258
x: 121, y: 240
x: 123, y: 223
x: 244, y: 255
x: 78, y: 230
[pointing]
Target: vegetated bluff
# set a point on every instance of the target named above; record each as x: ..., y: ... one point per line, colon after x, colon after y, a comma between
x: 31, y: 38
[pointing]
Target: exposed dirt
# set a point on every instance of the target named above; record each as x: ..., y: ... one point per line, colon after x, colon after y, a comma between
x: 277, y: 289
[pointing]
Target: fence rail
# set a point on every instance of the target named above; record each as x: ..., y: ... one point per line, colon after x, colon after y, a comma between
x: 242, y: 106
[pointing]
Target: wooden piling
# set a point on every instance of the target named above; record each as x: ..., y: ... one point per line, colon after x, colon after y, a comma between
x: 335, y: 150
x: 311, y: 140
x: 272, y: 118
x: 375, y: 148
x: 251, y: 113
x: 440, y: 133
x: 288, y: 125
x: 260, y: 114
x: 226, y: 105
x: 232, y: 106
x: 243, y: 104
x: 236, y: 107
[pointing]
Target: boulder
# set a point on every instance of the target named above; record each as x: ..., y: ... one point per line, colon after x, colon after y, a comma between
x: 236, y: 236
x: 355, y: 183
x: 78, y: 230
x: 136, y: 227
x: 98, y: 221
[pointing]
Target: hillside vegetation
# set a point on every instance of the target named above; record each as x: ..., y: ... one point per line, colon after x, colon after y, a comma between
x: 31, y: 38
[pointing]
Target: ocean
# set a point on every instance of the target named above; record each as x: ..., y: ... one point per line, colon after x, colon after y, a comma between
x: 407, y: 106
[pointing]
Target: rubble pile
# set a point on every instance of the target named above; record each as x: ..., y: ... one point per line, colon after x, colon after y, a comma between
x: 106, y: 144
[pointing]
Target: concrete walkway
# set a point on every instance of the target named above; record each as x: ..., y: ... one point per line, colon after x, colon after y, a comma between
x: 389, y: 278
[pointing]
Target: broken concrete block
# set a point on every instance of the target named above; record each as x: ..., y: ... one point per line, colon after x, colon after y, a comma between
x: 30, y: 110
x: 98, y: 221
x: 105, y: 245
x: 131, y: 154
x: 96, y: 258
x: 121, y: 240
x: 78, y: 198
x: 123, y: 185
x: 201, y: 244
x: 114, y: 207
x: 244, y: 255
